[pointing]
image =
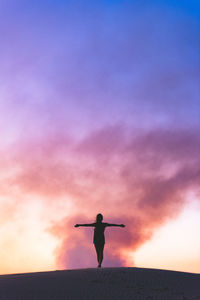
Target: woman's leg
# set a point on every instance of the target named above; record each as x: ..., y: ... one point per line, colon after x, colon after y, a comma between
x: 101, y: 254
x: 97, y: 251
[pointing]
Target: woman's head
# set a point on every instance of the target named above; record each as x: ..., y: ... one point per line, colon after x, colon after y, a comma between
x: 99, y: 218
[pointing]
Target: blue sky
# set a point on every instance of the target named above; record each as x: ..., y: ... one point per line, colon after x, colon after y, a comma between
x: 99, y: 104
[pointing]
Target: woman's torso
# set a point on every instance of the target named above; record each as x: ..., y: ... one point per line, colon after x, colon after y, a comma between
x: 99, y: 229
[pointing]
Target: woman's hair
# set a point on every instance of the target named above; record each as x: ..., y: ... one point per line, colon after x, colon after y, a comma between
x: 99, y: 218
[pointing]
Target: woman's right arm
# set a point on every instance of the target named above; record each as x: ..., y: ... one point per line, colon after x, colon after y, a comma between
x: 85, y: 225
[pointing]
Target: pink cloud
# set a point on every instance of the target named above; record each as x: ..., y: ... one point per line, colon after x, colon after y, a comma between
x: 141, y: 180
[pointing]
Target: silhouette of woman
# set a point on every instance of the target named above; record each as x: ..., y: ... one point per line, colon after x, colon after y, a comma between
x: 99, y: 238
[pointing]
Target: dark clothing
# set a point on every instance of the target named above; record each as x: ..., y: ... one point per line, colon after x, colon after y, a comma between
x: 99, y: 238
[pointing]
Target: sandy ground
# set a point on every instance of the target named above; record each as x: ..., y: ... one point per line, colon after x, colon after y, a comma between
x: 101, y: 284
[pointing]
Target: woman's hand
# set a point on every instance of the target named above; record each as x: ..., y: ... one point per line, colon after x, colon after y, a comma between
x: 122, y: 225
x: 76, y: 225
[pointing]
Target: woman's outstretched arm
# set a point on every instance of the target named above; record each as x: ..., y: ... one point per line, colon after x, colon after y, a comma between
x: 85, y: 225
x: 118, y: 225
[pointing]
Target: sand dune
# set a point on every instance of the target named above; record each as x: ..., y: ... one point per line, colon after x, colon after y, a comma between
x: 105, y: 283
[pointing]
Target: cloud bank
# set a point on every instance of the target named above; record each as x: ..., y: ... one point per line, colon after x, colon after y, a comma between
x: 141, y: 179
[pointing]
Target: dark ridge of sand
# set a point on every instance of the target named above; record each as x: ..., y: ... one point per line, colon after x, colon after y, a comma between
x: 101, y: 284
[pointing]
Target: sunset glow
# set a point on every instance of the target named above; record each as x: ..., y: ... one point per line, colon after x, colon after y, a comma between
x: 99, y: 112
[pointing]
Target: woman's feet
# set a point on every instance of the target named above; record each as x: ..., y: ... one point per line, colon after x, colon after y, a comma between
x: 99, y: 265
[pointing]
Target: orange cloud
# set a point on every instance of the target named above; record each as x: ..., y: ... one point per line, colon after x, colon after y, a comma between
x: 140, y: 179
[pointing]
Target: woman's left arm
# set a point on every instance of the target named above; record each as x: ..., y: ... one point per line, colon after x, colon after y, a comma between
x: 116, y: 225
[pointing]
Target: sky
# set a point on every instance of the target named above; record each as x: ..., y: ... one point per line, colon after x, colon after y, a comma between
x: 99, y: 113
